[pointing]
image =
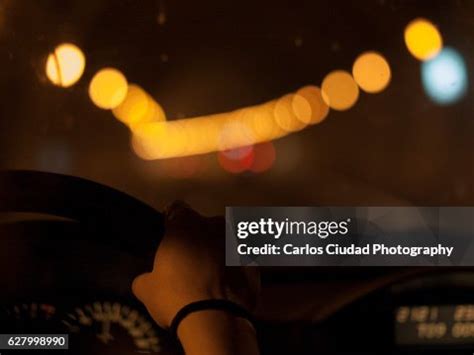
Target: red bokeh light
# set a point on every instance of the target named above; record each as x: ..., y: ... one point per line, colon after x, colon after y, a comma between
x: 236, y: 160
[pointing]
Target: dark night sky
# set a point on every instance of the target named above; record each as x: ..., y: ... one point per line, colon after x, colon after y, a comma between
x: 214, y: 56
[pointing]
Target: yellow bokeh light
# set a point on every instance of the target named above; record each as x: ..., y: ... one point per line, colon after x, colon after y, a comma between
x: 202, y: 137
x: 309, y: 105
x: 423, y: 39
x: 233, y: 134
x: 339, y: 90
x: 64, y: 67
x: 301, y: 108
x: 225, y: 131
x: 261, y: 121
x: 371, y: 72
x: 161, y: 139
x: 286, y: 115
x: 138, y: 107
x: 108, y: 88
x: 138, y: 148
x: 199, y: 135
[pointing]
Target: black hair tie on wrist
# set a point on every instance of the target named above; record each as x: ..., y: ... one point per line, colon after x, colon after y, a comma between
x: 213, y: 304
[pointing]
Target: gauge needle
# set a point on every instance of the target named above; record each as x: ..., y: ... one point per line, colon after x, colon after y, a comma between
x: 105, y: 336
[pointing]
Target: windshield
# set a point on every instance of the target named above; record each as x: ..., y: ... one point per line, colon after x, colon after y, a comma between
x: 401, y: 136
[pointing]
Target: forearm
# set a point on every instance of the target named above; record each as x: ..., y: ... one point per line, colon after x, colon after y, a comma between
x: 214, y: 332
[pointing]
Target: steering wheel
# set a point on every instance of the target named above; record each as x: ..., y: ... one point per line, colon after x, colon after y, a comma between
x: 114, y: 217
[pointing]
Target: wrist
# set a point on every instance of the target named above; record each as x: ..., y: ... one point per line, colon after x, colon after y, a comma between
x: 229, y: 307
x: 166, y: 311
x: 211, y: 329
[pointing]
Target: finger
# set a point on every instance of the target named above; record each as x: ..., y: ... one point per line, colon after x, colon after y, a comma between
x: 181, y: 217
x: 178, y: 209
x: 140, y: 286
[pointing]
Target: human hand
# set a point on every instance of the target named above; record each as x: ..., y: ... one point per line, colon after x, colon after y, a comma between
x: 189, y: 266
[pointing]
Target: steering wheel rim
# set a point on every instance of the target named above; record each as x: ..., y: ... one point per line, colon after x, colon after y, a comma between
x: 120, y: 219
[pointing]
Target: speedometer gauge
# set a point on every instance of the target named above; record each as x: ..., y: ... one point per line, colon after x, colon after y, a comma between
x: 111, y: 328
x: 95, y: 328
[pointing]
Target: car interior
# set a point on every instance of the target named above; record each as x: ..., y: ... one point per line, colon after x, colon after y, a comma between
x: 81, y: 210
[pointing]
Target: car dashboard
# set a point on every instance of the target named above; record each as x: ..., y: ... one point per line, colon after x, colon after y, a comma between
x: 56, y: 282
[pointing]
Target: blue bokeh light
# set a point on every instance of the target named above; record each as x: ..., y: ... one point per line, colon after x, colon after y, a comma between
x: 444, y: 77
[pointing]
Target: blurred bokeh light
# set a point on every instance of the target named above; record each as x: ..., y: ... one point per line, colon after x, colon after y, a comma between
x: 239, y: 153
x: 156, y: 138
x: 218, y: 132
x: 139, y: 149
x: 108, y: 88
x: 234, y: 133
x: 301, y: 108
x: 339, y: 90
x: 65, y: 65
x: 286, y: 109
x: 262, y: 121
x: 445, y: 77
x: 371, y: 72
x: 138, y: 107
x: 318, y: 109
x: 237, y: 160
x: 423, y: 39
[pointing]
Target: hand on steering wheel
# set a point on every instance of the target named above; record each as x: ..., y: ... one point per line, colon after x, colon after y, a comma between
x: 190, y: 266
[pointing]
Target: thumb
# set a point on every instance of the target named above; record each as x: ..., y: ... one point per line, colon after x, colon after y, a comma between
x: 140, y: 286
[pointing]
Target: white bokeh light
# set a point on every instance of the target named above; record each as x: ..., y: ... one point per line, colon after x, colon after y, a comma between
x: 444, y: 77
